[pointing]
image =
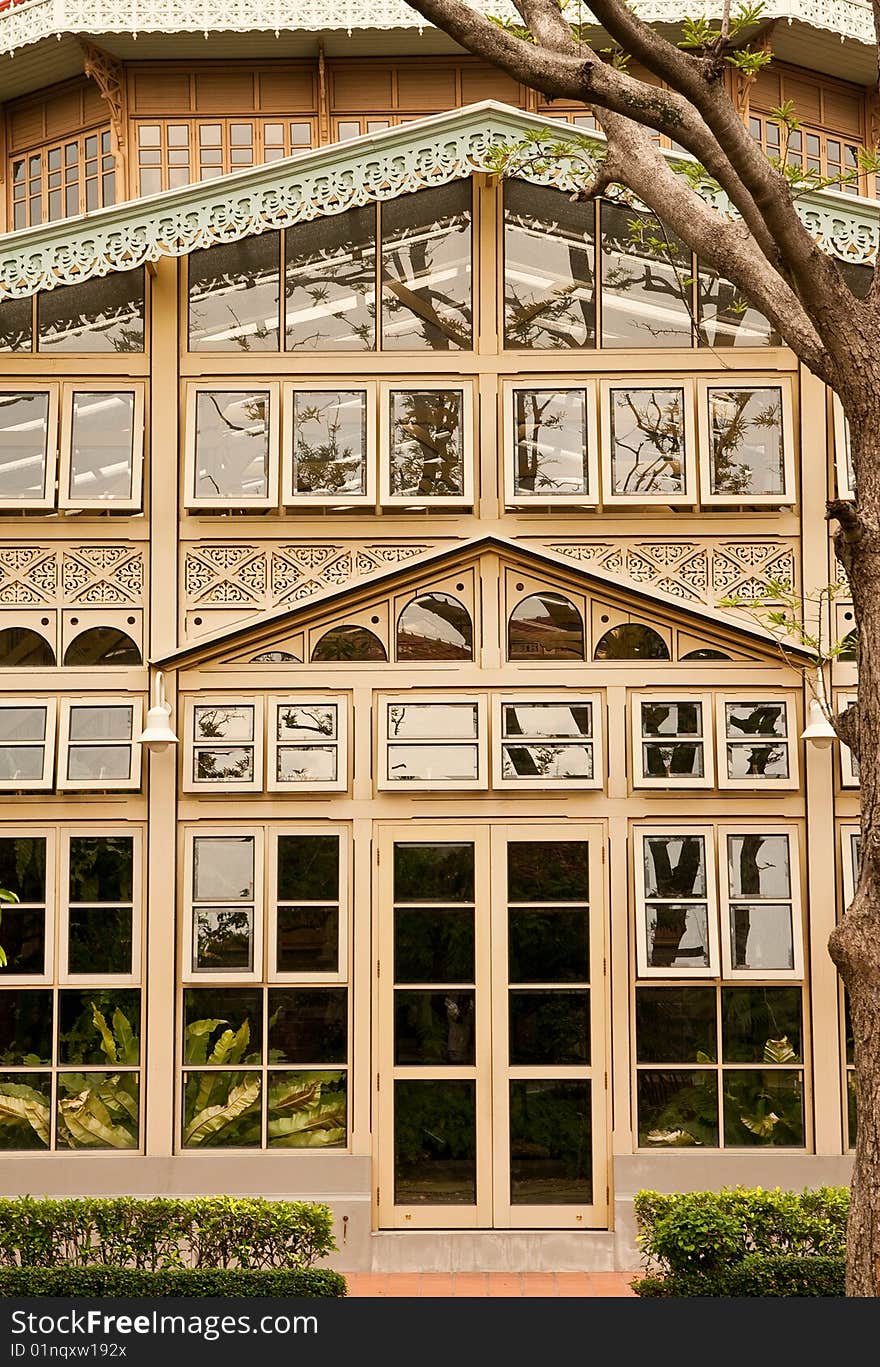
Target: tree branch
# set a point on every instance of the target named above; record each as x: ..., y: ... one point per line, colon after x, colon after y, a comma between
x: 846, y: 725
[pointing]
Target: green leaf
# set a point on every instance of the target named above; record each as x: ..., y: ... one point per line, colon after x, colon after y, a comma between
x: 213, y: 1119
x: 108, y: 1043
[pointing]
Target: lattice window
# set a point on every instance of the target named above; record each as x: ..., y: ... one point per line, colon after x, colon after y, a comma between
x: 175, y: 152
x: 63, y: 179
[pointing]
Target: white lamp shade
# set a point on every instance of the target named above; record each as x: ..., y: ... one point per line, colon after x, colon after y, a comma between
x: 818, y: 730
x: 157, y: 734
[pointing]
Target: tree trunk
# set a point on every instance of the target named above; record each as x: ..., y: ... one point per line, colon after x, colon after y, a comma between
x: 855, y: 943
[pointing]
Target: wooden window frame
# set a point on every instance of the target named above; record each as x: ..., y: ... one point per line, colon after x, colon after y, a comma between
x: 849, y: 773
x: 788, y: 496
x: 757, y: 695
x: 480, y: 743
x: 676, y: 829
x: 190, y: 784
x: 44, y: 782
x: 706, y: 739
x: 303, y: 502
x: 725, y: 903
x: 191, y: 976
x: 849, y: 830
x: 244, y: 384
x: 407, y: 382
x: 340, y: 976
x: 66, y: 497
x: 133, y: 782
x: 132, y: 979
x: 594, y: 741
x: 16, y: 385
x: 690, y: 494
x: 842, y: 459
x: 50, y: 913
x: 275, y: 702
x: 509, y: 390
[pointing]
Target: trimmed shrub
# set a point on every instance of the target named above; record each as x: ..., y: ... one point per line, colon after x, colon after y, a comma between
x: 180, y: 1281
x: 741, y: 1242
x: 161, y: 1233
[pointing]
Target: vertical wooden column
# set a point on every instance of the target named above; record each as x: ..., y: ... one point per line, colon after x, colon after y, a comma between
x: 360, y: 950
x: 819, y: 785
x: 161, y: 893
x: 617, y: 883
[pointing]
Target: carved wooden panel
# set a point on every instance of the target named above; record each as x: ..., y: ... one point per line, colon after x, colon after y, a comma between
x: 61, y: 575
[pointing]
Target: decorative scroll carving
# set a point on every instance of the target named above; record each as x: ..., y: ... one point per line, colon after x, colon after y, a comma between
x: 61, y: 576
x: 261, y: 575
x: 694, y: 571
x: 432, y: 151
x: 109, y: 76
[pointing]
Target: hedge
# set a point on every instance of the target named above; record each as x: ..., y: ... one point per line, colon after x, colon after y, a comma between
x: 180, y: 1281
x: 759, y: 1274
x: 162, y: 1233
x: 741, y: 1242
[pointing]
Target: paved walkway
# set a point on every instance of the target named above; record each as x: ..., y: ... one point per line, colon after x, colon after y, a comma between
x: 489, y: 1283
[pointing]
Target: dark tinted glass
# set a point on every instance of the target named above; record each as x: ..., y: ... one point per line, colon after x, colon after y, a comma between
x: 549, y: 269
x: 99, y: 1025
x: 330, y: 283
x: 546, y: 626
x: 104, y: 314
x: 676, y: 1024
x: 306, y: 1110
x: 548, y: 871
x: 102, y: 646
x: 307, y: 939
x: 25, y: 1028
x: 678, y: 1109
x: 21, y: 648
x: 308, y: 868
x: 349, y: 643
x: 547, y: 946
x: 551, y: 1146
x: 23, y: 867
x: 433, y: 945
x: 763, y: 1109
x: 435, y: 1142
x: 24, y: 938
x: 16, y: 325
x: 101, y: 868
x: 549, y: 1027
x: 99, y: 940
x: 761, y: 1024
x: 221, y: 1110
x: 222, y: 1025
x: 426, y: 269
x: 438, y: 872
x: 433, y: 1027
x: 632, y: 641
x: 35, y: 1090
x: 308, y: 1025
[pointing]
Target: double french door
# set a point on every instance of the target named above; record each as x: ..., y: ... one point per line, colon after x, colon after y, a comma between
x: 491, y: 1068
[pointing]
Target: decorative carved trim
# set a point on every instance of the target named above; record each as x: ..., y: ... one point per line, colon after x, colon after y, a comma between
x: 694, y: 571
x: 109, y: 76
x: 56, y: 575
x: 378, y: 166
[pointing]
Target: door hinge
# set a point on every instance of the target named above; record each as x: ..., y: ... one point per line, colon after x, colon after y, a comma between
x: 378, y: 1196
x: 378, y: 969
x: 377, y: 1081
x: 602, y: 849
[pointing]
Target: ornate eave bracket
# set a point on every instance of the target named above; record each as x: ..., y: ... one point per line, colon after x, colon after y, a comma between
x: 330, y: 180
x: 109, y: 76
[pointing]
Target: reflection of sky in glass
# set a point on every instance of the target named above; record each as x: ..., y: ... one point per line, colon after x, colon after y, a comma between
x: 223, y: 868
x: 758, y: 866
x: 675, y: 866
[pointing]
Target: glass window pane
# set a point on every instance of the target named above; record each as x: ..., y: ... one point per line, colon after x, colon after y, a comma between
x: 646, y: 273
x: 435, y: 1142
x: 426, y: 455
x: 222, y: 1025
x: 761, y: 1024
x: 549, y: 1027
x: 22, y: 762
x: 221, y: 722
x: 106, y: 314
x: 308, y: 868
x: 442, y: 763
x: 433, y: 1027
x: 101, y: 868
x: 99, y: 940
x: 24, y: 428
x: 223, y: 939
x: 433, y: 945
x: 676, y: 1025
x: 312, y: 721
x: 234, y: 296
x: 330, y: 283
x: 308, y: 1025
x: 761, y: 936
x: 545, y: 626
x: 349, y: 643
x: 551, y: 1148
x: 727, y: 318
x: 434, y: 627
x: 16, y: 323
x: 307, y: 764
x: 758, y: 760
x: 306, y: 1110
x: 631, y: 641
x: 647, y: 433
x: 22, y: 724
x: 549, y: 269
x: 763, y: 1109
x: 98, y: 1110
x: 307, y: 939
x: 102, y: 646
x: 745, y: 431
x: 550, y: 945
x: 433, y: 872
x: 426, y: 269
x: 223, y: 764
x: 547, y: 761
x: 548, y: 719
x: 548, y: 871
x: 97, y: 1025
x: 223, y: 868
x: 677, y: 934
x: 413, y: 721
x: 329, y: 442
x: 755, y: 719
x: 30, y: 1128
x: 86, y: 763
x: 23, y: 868
x: 758, y: 866
x: 24, y: 939
x: 232, y: 444
x: 672, y: 761
x: 221, y: 1110
x: 101, y: 447
x: 675, y: 866
x: 25, y: 1030
x: 550, y: 443
x: 678, y: 1109
x: 103, y: 722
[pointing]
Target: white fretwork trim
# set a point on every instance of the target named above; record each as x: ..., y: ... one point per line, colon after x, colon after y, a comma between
x: 37, y: 20
x: 329, y: 180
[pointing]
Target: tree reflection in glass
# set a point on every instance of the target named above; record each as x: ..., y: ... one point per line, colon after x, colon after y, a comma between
x: 330, y: 283
x: 745, y: 431
x: 435, y: 626
x: 726, y: 317
x: 426, y: 454
x: 667, y: 748
x: 761, y: 909
x: 232, y: 444
x: 349, y: 642
x: 234, y: 295
x: 105, y: 314
x: 24, y: 431
x: 545, y: 626
x: 549, y: 269
x: 647, y: 434
x: 647, y: 277
x: 426, y: 269
x: 547, y: 740
x: 329, y: 443
x: 676, y: 907
x: 751, y: 750
x: 551, y: 457
x: 225, y: 762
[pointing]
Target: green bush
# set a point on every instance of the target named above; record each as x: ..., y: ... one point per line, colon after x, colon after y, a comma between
x: 759, y: 1274
x: 776, y: 1243
x: 171, y: 1281
x: 162, y: 1233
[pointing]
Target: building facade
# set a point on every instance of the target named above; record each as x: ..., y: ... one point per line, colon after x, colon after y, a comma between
x: 488, y: 879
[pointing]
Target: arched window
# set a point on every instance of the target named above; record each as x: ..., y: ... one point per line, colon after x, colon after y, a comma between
x: 435, y: 627
x: 546, y: 626
x: 349, y: 643
x: 21, y: 648
x: 276, y: 657
x: 705, y: 653
x: 102, y: 646
x: 632, y: 641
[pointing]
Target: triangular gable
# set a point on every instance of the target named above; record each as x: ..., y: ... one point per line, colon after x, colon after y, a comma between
x: 269, y: 629
x: 328, y: 180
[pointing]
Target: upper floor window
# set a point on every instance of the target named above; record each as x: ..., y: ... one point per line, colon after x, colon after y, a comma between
x: 631, y: 641
x: 105, y: 314
x: 545, y: 626
x: 426, y: 270
x: 435, y: 626
x: 175, y: 152
x: 549, y: 269
x: 748, y: 443
x: 810, y: 149
x: 63, y: 179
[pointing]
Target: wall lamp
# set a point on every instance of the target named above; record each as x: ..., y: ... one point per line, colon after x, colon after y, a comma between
x: 157, y: 735
x: 818, y: 730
